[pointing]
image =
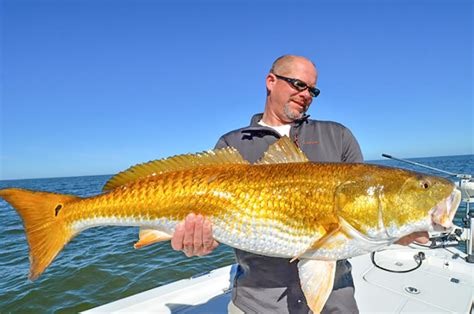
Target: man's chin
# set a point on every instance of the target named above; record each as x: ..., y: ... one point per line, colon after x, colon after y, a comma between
x: 294, y: 117
x: 293, y: 114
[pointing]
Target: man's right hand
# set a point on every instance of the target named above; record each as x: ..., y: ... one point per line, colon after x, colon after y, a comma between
x: 194, y: 237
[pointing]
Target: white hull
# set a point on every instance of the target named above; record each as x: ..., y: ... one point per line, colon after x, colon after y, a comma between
x: 443, y: 284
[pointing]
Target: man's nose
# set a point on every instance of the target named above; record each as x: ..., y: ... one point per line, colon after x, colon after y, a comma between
x: 307, y: 96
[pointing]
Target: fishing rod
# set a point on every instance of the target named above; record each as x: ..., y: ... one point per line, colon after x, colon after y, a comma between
x: 458, y: 175
x: 466, y: 186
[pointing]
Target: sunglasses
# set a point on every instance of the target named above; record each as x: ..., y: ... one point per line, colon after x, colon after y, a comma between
x: 300, y: 85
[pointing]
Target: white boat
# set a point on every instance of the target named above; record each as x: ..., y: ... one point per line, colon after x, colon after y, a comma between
x: 444, y: 283
x: 440, y: 279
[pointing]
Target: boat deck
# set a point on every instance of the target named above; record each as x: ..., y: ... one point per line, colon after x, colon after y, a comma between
x: 443, y: 284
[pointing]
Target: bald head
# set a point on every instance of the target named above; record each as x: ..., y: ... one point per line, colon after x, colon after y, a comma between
x: 288, y: 89
x: 284, y: 64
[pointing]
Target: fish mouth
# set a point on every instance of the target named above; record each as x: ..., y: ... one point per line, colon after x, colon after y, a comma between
x: 443, y: 213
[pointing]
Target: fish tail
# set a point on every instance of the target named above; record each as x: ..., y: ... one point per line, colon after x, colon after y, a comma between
x: 43, y: 218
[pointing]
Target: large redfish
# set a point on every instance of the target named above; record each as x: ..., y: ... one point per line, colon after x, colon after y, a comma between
x: 282, y: 206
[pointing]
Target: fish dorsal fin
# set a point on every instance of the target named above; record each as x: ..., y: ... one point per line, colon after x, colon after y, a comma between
x: 281, y: 152
x: 228, y: 155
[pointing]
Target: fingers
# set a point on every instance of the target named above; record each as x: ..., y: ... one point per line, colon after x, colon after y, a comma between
x: 207, y: 238
x: 178, y: 236
x: 188, y: 240
x: 204, y: 242
x: 194, y: 236
x: 208, y: 242
x: 420, y: 237
x: 198, y: 234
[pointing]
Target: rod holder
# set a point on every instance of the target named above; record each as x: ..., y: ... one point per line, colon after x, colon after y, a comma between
x: 470, y: 239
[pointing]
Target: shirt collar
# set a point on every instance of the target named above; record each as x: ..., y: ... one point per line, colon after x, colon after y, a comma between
x: 257, y: 117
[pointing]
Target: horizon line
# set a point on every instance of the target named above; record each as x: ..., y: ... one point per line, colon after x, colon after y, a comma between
x: 100, y: 175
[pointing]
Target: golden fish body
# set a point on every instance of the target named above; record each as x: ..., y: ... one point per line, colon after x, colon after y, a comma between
x: 283, y: 206
x: 275, y: 210
x: 272, y: 209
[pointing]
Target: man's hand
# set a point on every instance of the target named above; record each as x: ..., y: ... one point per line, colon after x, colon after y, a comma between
x: 420, y: 237
x: 194, y: 237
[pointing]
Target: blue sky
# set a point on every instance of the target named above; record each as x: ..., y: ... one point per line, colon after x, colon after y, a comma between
x: 93, y: 87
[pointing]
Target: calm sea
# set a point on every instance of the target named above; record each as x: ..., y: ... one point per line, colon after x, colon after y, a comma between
x: 100, y: 265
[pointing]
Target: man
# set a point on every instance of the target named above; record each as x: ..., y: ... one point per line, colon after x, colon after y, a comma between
x: 266, y: 284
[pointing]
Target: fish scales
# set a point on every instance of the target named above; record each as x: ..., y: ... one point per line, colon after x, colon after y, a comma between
x: 291, y: 205
x: 287, y: 201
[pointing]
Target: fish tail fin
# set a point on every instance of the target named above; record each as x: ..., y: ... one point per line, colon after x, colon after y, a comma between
x: 43, y: 218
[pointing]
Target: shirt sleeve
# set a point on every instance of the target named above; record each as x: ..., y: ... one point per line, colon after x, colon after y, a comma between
x: 221, y: 143
x: 351, y: 149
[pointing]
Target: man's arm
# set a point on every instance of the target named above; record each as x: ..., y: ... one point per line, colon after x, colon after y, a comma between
x: 351, y: 149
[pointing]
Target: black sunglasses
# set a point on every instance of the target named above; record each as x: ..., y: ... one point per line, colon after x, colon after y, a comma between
x: 300, y: 85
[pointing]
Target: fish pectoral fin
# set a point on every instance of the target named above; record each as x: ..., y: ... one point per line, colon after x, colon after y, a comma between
x: 150, y: 236
x: 331, y: 231
x: 317, y: 281
x: 281, y: 152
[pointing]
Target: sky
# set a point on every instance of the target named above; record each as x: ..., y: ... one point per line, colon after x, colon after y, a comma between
x: 94, y: 87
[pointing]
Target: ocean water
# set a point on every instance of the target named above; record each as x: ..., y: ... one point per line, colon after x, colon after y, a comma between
x: 100, y: 265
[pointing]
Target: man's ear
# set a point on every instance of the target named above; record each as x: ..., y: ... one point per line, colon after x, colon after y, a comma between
x: 270, y: 81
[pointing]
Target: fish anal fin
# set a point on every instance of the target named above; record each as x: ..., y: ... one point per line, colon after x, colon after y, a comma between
x: 282, y: 151
x: 150, y: 236
x: 228, y: 155
x: 317, y: 281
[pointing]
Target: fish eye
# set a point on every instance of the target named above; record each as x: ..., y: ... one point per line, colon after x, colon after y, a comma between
x: 425, y: 184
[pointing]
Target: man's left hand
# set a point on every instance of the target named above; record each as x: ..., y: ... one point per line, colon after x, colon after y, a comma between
x: 420, y: 237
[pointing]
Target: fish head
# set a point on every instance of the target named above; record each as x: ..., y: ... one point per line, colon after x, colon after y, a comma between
x: 431, y: 198
x: 388, y: 203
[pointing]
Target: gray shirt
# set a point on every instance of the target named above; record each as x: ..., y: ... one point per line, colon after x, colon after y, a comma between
x: 271, y: 285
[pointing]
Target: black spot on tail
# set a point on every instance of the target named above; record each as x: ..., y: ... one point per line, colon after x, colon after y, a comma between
x: 57, y: 209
